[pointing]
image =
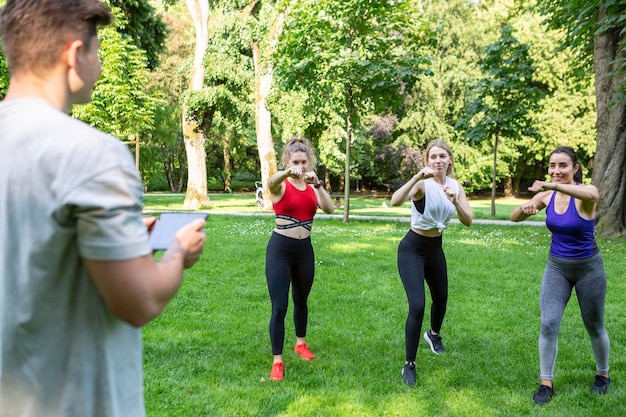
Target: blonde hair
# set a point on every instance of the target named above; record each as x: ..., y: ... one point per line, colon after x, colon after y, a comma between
x: 443, y: 145
x: 299, y: 144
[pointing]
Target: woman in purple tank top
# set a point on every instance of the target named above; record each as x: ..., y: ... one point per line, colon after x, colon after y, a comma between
x: 574, y: 261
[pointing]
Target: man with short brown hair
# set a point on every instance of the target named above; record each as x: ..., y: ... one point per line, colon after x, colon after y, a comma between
x: 77, y: 275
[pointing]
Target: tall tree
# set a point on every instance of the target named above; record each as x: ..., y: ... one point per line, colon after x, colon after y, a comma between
x: 350, y: 56
x: 499, y: 106
x: 269, y: 19
x: 596, y: 30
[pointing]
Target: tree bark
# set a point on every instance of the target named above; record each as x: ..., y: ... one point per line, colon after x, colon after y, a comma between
x: 494, y: 182
x: 265, y: 142
x: 346, y: 195
x: 517, y: 179
x: 228, y: 166
x: 327, y: 181
x: 197, y: 193
x: 609, y: 172
x: 508, y: 186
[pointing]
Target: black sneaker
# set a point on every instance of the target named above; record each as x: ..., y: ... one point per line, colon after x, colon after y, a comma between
x: 601, y: 385
x: 408, y: 374
x: 435, y: 342
x: 543, y: 395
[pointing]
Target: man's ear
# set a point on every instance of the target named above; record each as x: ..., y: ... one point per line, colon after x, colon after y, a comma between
x: 71, y: 53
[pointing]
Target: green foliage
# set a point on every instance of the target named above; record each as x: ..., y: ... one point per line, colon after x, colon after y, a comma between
x: 456, y: 33
x: 163, y: 162
x: 227, y: 95
x: 473, y: 165
x: 346, y: 42
x: 341, y: 52
x: 582, y: 20
x: 578, y: 18
x: 229, y: 73
x: 4, y: 74
x: 223, y: 106
x: 350, y: 58
x: 568, y: 113
x: 140, y: 22
x: 120, y: 104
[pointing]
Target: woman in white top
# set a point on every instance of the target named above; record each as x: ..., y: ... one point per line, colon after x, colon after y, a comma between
x: 435, y: 197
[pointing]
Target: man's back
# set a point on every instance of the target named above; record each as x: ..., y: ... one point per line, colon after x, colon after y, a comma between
x: 67, y: 192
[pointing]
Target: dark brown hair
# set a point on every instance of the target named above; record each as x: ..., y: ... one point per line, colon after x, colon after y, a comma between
x: 35, y: 32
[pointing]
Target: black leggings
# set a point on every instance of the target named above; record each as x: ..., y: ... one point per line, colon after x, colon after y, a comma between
x: 288, y: 261
x: 422, y: 259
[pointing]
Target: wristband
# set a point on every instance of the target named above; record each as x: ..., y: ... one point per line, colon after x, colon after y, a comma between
x: 319, y: 184
x: 555, y: 184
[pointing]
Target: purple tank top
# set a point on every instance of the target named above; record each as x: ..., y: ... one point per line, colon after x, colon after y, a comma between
x: 572, y: 236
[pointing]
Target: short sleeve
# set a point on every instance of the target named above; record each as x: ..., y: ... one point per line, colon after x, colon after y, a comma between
x: 112, y: 229
x: 104, y: 205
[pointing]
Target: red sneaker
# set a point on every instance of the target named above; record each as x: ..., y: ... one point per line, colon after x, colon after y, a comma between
x: 303, y: 350
x: 278, y: 371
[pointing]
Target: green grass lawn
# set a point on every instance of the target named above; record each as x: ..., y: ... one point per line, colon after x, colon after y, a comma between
x: 364, y: 206
x: 209, y: 353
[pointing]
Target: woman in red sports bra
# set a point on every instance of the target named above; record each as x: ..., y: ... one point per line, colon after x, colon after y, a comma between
x: 296, y: 194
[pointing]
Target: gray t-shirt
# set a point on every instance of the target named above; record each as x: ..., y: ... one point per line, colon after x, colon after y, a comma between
x: 67, y: 192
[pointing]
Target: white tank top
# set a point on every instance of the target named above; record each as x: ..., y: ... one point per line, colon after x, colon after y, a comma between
x: 438, y: 209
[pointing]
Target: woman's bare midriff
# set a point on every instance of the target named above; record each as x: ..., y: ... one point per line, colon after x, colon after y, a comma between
x: 427, y: 233
x: 295, y: 233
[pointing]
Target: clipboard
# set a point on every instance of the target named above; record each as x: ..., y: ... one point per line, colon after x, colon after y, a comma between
x: 168, y: 224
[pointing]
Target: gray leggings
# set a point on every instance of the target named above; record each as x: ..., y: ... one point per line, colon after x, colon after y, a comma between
x: 589, y: 279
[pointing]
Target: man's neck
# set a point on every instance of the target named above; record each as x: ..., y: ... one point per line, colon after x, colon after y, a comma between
x: 32, y: 86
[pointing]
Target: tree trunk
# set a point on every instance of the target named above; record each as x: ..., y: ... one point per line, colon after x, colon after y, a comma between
x: 197, y: 193
x: 327, y: 181
x: 265, y: 142
x: 168, y: 166
x: 508, y: 187
x: 346, y: 192
x: 609, y: 172
x: 495, y: 174
x: 228, y: 166
x: 263, y: 80
x: 517, y: 179
x: 181, y: 178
